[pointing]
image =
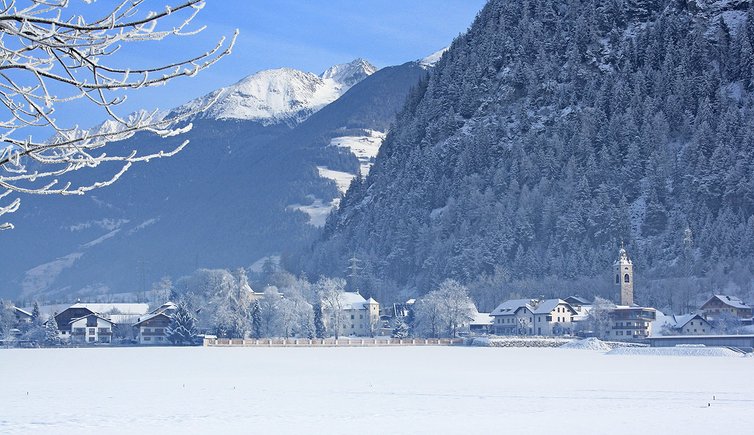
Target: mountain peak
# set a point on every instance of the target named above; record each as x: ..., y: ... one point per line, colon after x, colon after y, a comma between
x: 431, y: 60
x: 348, y: 74
x: 281, y: 95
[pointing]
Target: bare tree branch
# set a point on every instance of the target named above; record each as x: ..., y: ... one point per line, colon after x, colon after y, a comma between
x: 47, y: 60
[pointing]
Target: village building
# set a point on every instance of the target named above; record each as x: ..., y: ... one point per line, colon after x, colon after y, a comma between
x: 79, y: 310
x: 91, y: 329
x: 719, y: 304
x: 582, y: 306
x: 533, y: 317
x: 630, y: 322
x: 358, y: 316
x: 152, y: 329
x: 513, y: 317
x: 553, y: 317
x: 482, y: 323
x: 686, y: 324
x: 22, y: 316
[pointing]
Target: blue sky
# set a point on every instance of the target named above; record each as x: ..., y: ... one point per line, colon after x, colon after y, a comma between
x: 307, y: 35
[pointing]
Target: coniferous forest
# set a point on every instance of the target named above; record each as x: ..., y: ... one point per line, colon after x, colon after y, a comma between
x: 550, y: 133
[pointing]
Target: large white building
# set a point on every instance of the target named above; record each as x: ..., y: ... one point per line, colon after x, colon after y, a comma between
x: 357, y: 316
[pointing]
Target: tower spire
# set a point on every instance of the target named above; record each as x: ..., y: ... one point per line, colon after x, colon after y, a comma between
x: 624, y: 276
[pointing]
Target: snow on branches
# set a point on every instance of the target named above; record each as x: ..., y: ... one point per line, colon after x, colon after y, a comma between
x: 51, y: 55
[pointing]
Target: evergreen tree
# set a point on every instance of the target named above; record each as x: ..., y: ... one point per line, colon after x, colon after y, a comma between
x: 319, y: 324
x: 182, y: 329
x: 400, y: 330
x: 256, y: 320
x: 52, y: 337
x: 35, y: 315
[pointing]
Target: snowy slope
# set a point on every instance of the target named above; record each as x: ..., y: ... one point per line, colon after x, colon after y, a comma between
x: 280, y: 95
x: 431, y: 60
x: 364, y: 147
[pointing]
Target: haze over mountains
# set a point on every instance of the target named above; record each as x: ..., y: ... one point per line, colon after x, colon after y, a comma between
x: 252, y: 183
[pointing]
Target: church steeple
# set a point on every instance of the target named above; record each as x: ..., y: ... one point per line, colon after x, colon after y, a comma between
x: 624, y: 276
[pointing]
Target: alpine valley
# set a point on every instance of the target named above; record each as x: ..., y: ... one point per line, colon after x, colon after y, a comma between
x: 264, y: 166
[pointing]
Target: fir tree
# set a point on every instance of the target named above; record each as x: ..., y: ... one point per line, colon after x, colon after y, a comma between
x: 401, y: 329
x: 256, y: 320
x: 182, y: 329
x: 35, y: 315
x: 52, y: 337
x: 319, y: 324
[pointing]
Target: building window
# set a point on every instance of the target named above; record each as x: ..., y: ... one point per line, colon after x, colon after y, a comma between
x: 147, y: 338
x: 91, y: 339
x: 92, y: 331
x: 617, y: 279
x: 626, y: 278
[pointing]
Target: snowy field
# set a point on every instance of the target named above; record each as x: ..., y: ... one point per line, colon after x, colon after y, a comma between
x: 407, y: 390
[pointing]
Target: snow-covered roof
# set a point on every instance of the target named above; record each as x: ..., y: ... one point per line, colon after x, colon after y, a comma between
x: 353, y: 301
x: 22, y: 312
x: 511, y: 306
x: 89, y: 315
x: 482, y: 319
x: 122, y: 319
x: 148, y: 317
x: 577, y: 300
x: 679, y: 321
x: 168, y: 306
x: 730, y: 301
x: 548, y: 305
x: 137, y: 309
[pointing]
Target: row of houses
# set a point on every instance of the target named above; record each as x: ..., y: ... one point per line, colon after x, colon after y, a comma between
x: 96, y: 323
x: 99, y: 323
x: 546, y: 317
x: 552, y: 317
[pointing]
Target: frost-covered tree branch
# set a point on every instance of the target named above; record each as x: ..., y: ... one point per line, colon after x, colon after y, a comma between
x: 50, y: 56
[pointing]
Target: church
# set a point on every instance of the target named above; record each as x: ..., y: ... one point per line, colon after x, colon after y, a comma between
x: 628, y: 320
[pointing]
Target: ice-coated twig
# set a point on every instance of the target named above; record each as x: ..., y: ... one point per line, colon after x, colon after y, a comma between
x: 43, y: 47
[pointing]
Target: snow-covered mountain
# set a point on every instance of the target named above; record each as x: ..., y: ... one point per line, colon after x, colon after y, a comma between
x: 242, y: 190
x: 283, y: 95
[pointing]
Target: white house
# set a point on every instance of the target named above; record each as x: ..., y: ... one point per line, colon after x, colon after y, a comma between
x: 514, y: 317
x: 687, y: 324
x: 91, y: 329
x: 359, y: 316
x: 553, y: 317
x: 152, y: 329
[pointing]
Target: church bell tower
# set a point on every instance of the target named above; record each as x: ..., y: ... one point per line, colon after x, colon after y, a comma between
x: 624, y: 277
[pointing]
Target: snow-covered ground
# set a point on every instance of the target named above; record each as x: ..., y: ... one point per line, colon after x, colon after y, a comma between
x: 413, y: 390
x: 365, y: 148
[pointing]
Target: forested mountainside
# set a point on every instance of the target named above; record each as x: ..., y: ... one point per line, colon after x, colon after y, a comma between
x: 551, y: 132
